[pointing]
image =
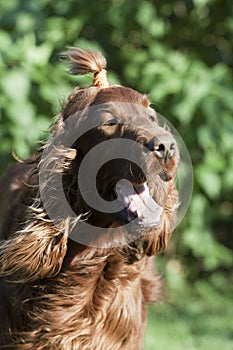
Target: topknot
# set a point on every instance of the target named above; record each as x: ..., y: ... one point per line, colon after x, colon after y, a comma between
x: 84, y: 61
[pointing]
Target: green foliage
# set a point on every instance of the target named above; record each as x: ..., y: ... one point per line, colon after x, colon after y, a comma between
x: 194, y: 322
x: 179, y: 52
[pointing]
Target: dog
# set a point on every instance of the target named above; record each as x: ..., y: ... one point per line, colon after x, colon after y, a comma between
x: 76, y: 276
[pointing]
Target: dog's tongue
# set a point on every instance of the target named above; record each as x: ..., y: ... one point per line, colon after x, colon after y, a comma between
x: 139, y: 202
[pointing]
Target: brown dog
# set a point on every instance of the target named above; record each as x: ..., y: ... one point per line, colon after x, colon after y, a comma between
x: 83, y: 282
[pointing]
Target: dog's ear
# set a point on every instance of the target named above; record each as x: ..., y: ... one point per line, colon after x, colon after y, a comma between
x: 34, y: 253
x: 37, y: 251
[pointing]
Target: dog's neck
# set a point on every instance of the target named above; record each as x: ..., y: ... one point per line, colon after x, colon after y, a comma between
x: 95, y: 294
x: 99, y: 297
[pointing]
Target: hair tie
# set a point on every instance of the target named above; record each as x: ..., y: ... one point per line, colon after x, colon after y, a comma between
x: 100, y: 79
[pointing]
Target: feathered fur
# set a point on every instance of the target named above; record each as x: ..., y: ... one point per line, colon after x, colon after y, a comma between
x: 84, y: 61
x: 58, y: 294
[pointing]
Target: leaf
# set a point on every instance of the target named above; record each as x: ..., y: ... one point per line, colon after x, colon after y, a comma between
x: 209, y: 181
x: 16, y: 85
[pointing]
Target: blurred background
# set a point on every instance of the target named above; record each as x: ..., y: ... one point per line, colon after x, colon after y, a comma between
x: 179, y: 53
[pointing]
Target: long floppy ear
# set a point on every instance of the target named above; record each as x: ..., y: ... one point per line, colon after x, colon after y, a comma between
x: 34, y: 253
x: 38, y: 250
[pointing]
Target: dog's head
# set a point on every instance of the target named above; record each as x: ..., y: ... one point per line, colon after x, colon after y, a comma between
x: 130, y: 162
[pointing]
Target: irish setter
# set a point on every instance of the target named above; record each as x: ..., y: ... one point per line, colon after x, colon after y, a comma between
x: 76, y: 276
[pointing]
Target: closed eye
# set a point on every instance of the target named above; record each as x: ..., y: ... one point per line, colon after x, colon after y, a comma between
x: 113, y: 121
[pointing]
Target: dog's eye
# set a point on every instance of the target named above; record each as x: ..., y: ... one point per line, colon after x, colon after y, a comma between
x: 112, y: 121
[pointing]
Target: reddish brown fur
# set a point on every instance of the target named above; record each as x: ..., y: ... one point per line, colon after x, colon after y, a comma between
x: 58, y: 294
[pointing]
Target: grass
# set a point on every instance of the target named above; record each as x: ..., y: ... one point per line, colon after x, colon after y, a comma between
x: 197, y: 319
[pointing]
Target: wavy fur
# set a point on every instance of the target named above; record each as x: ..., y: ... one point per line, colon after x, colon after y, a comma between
x: 59, y: 294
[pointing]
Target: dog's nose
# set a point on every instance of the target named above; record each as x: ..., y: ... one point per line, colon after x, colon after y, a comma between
x: 163, y: 149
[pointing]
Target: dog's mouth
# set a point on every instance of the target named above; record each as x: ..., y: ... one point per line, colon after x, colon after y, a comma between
x: 139, y: 204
